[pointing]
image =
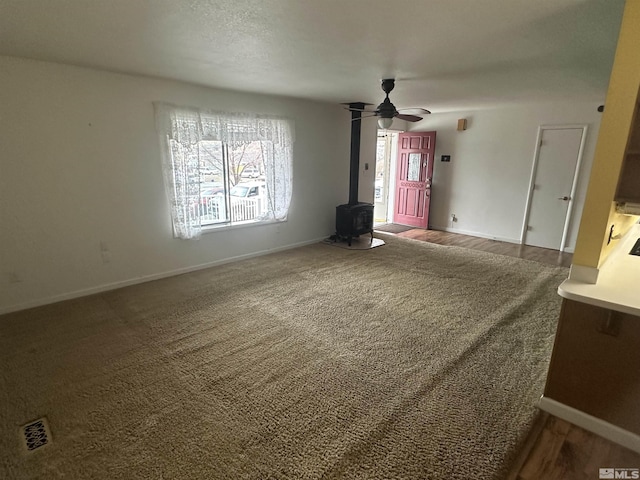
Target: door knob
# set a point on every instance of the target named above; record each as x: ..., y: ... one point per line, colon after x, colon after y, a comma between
x: 564, y: 198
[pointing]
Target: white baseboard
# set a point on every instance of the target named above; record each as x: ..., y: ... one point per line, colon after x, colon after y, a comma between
x: 484, y: 235
x: 146, y: 278
x: 475, y: 234
x: 596, y: 425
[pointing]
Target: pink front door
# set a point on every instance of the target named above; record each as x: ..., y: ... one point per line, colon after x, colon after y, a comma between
x: 413, y: 178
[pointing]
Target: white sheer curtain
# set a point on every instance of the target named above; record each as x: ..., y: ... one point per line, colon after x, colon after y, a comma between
x: 183, y: 128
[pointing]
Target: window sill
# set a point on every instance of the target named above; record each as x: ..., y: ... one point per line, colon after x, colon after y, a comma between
x: 240, y: 225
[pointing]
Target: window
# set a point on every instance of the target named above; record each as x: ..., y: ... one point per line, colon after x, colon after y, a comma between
x: 224, y: 168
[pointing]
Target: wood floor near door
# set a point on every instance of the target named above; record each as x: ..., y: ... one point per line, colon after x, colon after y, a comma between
x: 542, y: 255
x: 563, y: 451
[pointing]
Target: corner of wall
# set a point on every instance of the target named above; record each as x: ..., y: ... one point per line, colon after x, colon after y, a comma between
x: 591, y: 246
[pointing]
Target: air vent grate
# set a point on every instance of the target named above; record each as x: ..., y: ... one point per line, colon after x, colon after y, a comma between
x: 36, y: 434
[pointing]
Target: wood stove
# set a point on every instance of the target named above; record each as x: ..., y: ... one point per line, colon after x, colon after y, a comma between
x: 354, y: 218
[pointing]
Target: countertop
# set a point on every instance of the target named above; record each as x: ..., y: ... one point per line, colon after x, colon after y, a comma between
x: 618, y: 283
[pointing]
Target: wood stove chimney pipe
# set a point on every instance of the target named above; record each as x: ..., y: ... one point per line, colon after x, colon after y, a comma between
x: 354, y: 160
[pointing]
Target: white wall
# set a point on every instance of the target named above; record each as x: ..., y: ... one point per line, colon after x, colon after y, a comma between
x: 486, y: 183
x: 80, y: 165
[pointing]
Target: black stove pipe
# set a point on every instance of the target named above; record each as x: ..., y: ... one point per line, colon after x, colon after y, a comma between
x: 354, y: 161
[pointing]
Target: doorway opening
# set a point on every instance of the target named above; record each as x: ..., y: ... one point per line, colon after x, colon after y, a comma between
x: 552, y: 187
x: 414, y: 172
x: 404, y: 167
x: 386, y: 151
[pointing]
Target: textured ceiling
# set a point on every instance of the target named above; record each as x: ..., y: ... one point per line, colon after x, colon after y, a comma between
x: 446, y: 54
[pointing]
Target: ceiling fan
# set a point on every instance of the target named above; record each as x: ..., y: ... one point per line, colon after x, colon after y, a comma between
x: 387, y: 110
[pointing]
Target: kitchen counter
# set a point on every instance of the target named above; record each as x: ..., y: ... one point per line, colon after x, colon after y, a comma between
x: 618, y: 284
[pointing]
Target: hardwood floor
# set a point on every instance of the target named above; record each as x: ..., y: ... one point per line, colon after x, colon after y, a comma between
x: 543, y: 255
x: 556, y: 449
x: 563, y: 451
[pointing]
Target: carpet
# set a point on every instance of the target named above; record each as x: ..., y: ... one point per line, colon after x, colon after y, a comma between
x: 363, y: 242
x: 410, y: 361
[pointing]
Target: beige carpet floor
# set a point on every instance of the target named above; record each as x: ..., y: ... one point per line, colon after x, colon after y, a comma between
x: 407, y: 361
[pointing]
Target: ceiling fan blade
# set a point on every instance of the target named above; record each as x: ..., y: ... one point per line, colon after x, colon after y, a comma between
x: 408, y: 118
x: 414, y: 111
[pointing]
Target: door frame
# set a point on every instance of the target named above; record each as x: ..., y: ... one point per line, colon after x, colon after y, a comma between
x: 393, y: 155
x: 429, y: 166
x: 574, y: 185
x: 382, y: 206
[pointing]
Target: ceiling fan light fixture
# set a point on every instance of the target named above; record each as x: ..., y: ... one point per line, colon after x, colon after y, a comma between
x: 386, y: 111
x: 385, y: 123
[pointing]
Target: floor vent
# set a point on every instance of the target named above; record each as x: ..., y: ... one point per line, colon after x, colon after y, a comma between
x: 36, y: 434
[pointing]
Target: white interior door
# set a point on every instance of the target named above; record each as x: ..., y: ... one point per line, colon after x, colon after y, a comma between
x: 553, y: 185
